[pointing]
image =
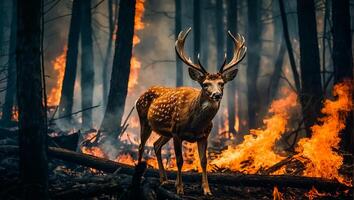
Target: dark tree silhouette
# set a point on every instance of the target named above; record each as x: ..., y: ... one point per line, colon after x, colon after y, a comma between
x: 178, y: 28
x: 289, y: 46
x: 342, y: 41
x: 253, y: 60
x: 196, y: 26
x: 87, y: 70
x: 342, y: 57
x: 311, y: 89
x: 121, y: 68
x: 2, y: 25
x: 32, y: 128
x: 231, y: 90
x: 220, y: 47
x: 11, y: 71
x: 206, y: 17
x: 67, y: 92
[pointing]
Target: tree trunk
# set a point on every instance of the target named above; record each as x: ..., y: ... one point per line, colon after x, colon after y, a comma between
x: 253, y: 59
x: 196, y: 26
x: 32, y: 129
x: 178, y: 28
x: 289, y: 46
x: 121, y: 68
x: 342, y: 57
x: 67, y: 92
x: 231, y: 88
x: 108, y: 51
x: 87, y: 70
x: 204, y: 37
x: 220, y: 48
x: 311, y: 93
x: 11, y: 71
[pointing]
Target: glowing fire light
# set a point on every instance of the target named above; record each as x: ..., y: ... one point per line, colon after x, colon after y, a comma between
x: 14, y: 114
x: 276, y: 194
x: 323, y: 161
x: 59, y: 67
x: 313, y: 193
x: 257, y: 148
x: 138, y: 25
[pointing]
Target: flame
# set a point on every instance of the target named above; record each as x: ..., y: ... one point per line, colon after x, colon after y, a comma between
x: 326, y: 136
x: 256, y: 151
x: 126, y: 158
x: 14, y: 114
x: 190, y: 158
x: 94, y: 151
x: 59, y: 67
x: 134, y: 62
x: 313, y: 193
x: 237, y: 123
x: 276, y: 194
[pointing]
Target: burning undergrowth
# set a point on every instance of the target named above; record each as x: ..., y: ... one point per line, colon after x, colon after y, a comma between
x: 256, y: 151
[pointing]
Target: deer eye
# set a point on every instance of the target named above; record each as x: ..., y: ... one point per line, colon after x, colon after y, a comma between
x: 221, y: 84
x: 205, y: 85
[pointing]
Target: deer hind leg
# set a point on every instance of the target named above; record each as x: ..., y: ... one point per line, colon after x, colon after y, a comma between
x: 157, y: 147
x: 202, y: 147
x: 179, y: 158
x: 145, y: 132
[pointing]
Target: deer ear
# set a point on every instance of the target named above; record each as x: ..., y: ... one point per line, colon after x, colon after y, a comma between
x: 229, y: 75
x: 195, y: 74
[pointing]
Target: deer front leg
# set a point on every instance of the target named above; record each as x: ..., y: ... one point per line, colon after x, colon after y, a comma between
x: 179, y: 159
x: 202, y: 147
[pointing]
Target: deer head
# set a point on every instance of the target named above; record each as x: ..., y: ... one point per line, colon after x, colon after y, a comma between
x: 212, y: 84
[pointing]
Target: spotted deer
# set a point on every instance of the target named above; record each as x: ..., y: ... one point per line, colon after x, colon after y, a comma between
x: 186, y: 113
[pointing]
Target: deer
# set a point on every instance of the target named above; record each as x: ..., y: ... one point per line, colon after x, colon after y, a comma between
x: 186, y: 113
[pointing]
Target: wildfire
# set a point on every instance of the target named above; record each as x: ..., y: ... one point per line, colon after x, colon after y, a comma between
x: 256, y: 151
x: 59, y: 67
x: 134, y: 62
x: 325, y: 136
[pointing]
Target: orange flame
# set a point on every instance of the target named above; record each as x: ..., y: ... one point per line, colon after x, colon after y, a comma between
x: 313, y: 193
x: 323, y: 160
x: 126, y: 159
x: 59, y: 67
x: 276, y: 194
x: 257, y: 148
x: 14, y: 114
x: 138, y: 25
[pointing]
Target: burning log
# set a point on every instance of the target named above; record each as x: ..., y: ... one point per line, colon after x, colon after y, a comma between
x: 109, y: 166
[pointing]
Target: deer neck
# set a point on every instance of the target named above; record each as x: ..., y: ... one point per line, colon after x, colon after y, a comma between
x: 204, y: 109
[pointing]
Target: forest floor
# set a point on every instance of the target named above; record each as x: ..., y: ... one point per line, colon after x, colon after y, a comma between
x: 73, y: 181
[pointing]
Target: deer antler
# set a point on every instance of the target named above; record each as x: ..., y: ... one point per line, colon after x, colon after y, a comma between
x: 179, y: 46
x: 239, y: 53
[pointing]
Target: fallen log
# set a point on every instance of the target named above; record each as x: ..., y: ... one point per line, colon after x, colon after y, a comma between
x: 230, y: 179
